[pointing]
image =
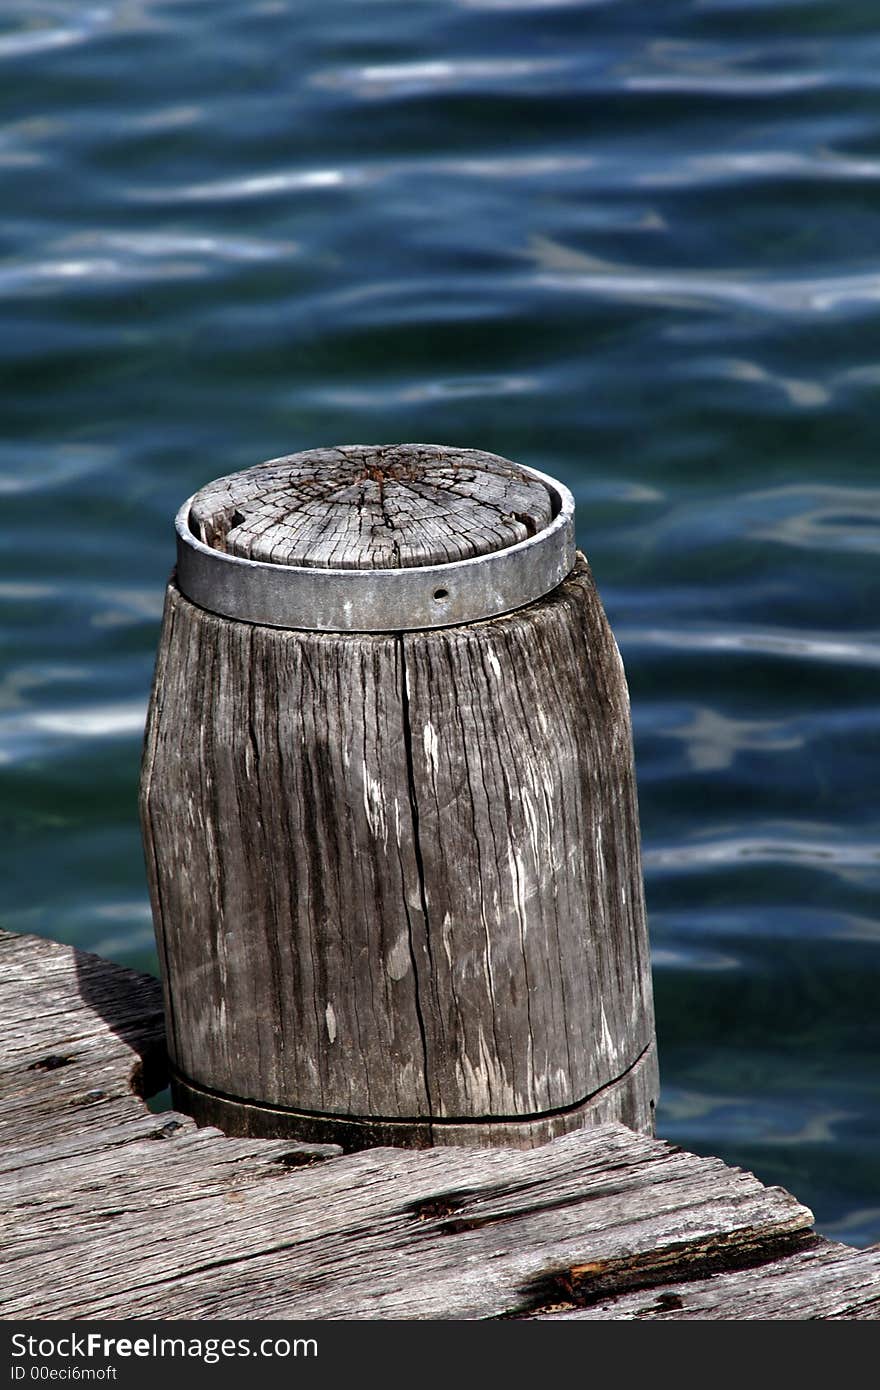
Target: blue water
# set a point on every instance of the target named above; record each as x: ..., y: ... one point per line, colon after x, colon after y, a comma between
x: 631, y: 244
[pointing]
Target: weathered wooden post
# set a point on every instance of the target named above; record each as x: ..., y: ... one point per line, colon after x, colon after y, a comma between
x: 389, y: 809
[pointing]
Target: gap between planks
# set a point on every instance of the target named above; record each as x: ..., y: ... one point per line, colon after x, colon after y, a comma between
x: 110, y: 1211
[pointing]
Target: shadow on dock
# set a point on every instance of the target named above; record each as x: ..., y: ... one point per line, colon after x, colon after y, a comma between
x: 131, y: 1006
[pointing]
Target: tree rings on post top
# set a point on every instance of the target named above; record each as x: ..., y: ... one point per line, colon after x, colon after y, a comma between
x: 375, y: 538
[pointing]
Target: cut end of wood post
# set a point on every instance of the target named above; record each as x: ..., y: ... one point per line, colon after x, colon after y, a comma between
x: 372, y: 507
x: 370, y: 538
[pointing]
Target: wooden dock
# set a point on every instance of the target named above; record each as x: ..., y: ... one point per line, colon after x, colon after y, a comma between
x: 111, y: 1211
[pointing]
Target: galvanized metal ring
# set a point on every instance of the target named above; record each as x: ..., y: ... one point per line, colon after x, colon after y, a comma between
x: 380, y: 600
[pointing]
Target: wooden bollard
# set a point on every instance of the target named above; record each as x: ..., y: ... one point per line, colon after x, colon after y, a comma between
x: 389, y: 810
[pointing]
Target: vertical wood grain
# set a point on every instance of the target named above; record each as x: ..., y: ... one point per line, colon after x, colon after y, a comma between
x: 399, y: 877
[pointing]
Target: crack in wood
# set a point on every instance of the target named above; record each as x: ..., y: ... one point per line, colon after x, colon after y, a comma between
x: 420, y: 867
x: 51, y: 1063
x: 586, y: 1284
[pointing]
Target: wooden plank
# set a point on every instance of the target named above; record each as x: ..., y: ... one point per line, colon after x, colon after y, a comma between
x: 826, y: 1280
x: 82, y: 1040
x: 382, y: 1234
x: 101, y: 1220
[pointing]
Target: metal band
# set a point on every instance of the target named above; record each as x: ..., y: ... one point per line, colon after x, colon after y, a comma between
x: 374, y: 600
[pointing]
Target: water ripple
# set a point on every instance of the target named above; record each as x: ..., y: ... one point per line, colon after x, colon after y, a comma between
x: 25, y: 733
x: 37, y: 468
x: 100, y: 258
x: 726, y: 84
x: 517, y: 5
x: 380, y: 80
x: 741, y: 166
x: 713, y: 740
x: 800, y: 646
x: 798, y: 392
x: 818, y: 518
x: 688, y: 958
x: 784, y: 1121
x: 255, y: 185
x: 46, y: 38
x: 733, y: 851
x: 750, y: 925
x: 380, y: 397
x: 798, y: 296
